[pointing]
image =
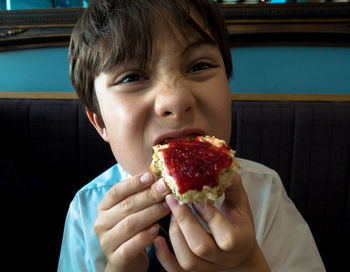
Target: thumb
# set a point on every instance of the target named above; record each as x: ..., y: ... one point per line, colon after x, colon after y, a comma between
x: 236, y: 204
x: 165, y: 257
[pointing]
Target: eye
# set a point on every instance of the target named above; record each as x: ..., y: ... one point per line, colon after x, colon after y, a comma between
x: 200, y: 66
x: 131, y: 78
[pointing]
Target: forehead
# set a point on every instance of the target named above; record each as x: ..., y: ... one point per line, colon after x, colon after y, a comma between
x: 168, y: 34
x: 139, y: 42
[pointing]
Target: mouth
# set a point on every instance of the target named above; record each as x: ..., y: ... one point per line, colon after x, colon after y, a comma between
x: 184, y: 135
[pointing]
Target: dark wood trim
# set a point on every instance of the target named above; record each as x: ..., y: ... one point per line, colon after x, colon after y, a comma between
x: 289, y: 97
x: 38, y: 95
x: 66, y: 17
x: 234, y: 96
x: 37, y: 28
x: 248, y: 24
x: 286, y: 11
x: 289, y: 24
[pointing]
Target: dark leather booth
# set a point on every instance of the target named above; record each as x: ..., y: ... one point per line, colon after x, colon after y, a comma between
x: 48, y: 150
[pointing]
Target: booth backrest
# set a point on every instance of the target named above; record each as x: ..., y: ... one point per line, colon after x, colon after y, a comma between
x: 48, y: 150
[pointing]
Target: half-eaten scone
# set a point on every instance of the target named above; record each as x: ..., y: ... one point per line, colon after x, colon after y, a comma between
x: 198, y: 170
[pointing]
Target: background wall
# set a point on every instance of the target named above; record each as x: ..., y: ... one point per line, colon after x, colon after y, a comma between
x: 35, y: 70
x: 265, y: 69
x: 314, y: 70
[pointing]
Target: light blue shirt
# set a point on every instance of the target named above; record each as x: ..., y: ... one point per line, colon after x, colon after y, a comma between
x: 283, y: 235
x: 81, y: 249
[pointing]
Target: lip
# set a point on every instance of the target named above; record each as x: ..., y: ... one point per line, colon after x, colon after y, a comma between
x: 177, y: 134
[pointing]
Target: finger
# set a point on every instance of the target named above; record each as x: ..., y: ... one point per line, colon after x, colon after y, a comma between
x: 226, y: 235
x: 198, y: 239
x: 236, y: 204
x: 187, y: 259
x: 233, y: 229
x: 125, y: 188
x: 165, y: 257
x: 132, y: 248
x: 195, y: 235
x: 113, y: 238
x: 134, y: 203
x: 236, y: 209
x: 150, y: 196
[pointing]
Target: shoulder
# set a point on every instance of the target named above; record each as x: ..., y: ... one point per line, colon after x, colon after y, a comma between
x: 251, y: 169
x: 79, y: 241
x: 106, y: 179
x: 92, y: 193
x: 264, y: 189
x: 83, y: 207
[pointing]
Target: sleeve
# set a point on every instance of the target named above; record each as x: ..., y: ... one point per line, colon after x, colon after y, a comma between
x: 80, y: 249
x: 282, y: 233
x: 73, y: 248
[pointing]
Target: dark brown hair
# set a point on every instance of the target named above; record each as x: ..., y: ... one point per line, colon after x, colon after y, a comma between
x: 116, y: 31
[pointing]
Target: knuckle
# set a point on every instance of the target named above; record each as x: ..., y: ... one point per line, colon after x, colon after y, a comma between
x: 134, y: 182
x: 123, y: 255
x: 181, y: 218
x: 127, y: 206
x: 211, y: 218
x: 127, y: 225
x: 97, y: 227
x: 98, y: 211
x: 227, y: 243
x: 173, y: 230
x: 202, y: 250
x: 114, y: 192
x: 188, y: 265
x: 152, y: 195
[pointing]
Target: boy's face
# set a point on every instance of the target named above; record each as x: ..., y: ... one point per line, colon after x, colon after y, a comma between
x: 183, y: 92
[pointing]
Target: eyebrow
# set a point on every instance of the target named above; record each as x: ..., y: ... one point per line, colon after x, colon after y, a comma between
x: 193, y: 45
x: 196, y: 44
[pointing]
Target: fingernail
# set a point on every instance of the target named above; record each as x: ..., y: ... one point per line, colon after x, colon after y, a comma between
x: 161, y: 187
x: 156, y: 244
x: 165, y: 205
x: 171, y: 201
x: 199, y: 206
x: 146, y: 178
x: 153, y: 230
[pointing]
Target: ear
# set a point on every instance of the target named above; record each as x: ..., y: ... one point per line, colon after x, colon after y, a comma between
x: 95, y: 121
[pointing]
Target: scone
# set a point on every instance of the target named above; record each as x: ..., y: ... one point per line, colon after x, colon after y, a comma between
x: 197, y: 170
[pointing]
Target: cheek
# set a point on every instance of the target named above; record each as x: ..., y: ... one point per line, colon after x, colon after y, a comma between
x: 121, y: 115
x: 218, y: 109
x: 125, y: 124
x: 223, y: 121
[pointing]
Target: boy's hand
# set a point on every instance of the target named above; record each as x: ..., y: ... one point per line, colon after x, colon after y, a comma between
x: 231, y: 245
x: 125, y: 221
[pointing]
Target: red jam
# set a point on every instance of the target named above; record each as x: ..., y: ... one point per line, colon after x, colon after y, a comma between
x: 194, y: 164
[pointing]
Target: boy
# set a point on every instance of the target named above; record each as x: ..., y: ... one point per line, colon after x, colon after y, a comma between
x: 148, y: 71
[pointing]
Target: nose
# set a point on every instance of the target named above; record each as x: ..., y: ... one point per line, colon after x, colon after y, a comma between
x: 174, y: 101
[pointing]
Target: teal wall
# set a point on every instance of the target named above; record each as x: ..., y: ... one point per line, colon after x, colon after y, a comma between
x: 270, y: 69
x: 38, y: 4
x: 291, y: 69
x: 35, y: 70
